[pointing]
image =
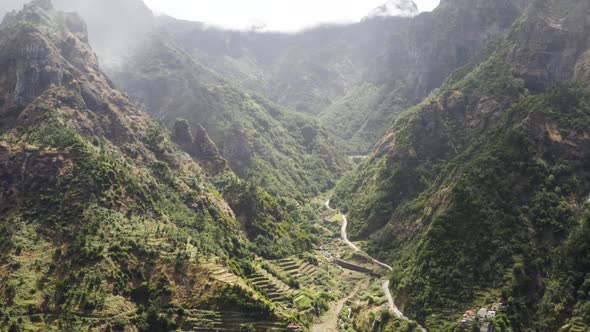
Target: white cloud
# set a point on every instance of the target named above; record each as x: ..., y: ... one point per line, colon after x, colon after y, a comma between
x: 282, y: 15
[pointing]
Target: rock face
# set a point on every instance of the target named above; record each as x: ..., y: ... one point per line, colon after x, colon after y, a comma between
x: 554, y: 47
x: 129, y: 22
x: 28, y: 164
x: 201, y: 147
x: 401, y: 8
x: 45, y: 52
x: 182, y: 134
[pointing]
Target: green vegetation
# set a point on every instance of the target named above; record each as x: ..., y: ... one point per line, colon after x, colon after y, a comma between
x: 479, y: 191
x: 388, y: 322
x: 477, y: 195
x: 276, y: 228
x: 286, y: 153
x: 497, y: 215
x: 362, y: 117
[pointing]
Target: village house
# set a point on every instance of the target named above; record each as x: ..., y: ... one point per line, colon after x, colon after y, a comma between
x: 468, y: 317
x: 469, y: 314
x: 484, y: 313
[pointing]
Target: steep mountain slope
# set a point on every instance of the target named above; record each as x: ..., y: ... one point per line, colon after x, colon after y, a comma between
x: 104, y: 222
x: 287, y: 153
x: 480, y: 190
x: 358, y: 77
x: 417, y: 59
x: 306, y: 71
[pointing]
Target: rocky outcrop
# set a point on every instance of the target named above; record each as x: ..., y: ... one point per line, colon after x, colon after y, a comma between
x: 182, y: 134
x: 45, y: 53
x: 550, y: 45
x: 201, y: 147
x: 29, y: 168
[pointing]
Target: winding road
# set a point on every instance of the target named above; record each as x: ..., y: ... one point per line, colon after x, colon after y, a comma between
x: 385, y: 285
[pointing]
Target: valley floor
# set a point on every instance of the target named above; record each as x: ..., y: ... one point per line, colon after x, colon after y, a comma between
x: 358, y: 258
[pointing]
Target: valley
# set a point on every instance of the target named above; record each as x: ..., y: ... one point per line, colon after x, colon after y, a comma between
x: 405, y: 172
x: 385, y: 284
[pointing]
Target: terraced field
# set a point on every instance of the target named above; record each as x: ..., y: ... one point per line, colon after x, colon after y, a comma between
x: 221, y: 273
x: 295, y: 286
x: 302, y: 271
x: 206, y: 320
x: 576, y: 325
x: 273, y: 288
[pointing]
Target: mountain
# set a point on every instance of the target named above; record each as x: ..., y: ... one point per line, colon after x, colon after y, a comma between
x: 417, y: 59
x: 287, y: 153
x: 479, y: 193
x: 306, y: 71
x: 105, y: 222
x: 472, y: 207
x: 356, y: 77
x: 311, y: 72
x: 403, y: 8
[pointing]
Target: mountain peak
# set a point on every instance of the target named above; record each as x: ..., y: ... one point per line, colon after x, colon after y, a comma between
x: 44, y: 4
x: 400, y: 8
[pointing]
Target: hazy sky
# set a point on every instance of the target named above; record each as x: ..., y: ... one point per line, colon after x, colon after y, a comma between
x: 283, y: 15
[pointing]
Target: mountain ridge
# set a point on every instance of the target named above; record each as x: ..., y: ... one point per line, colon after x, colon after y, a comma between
x: 402, y: 8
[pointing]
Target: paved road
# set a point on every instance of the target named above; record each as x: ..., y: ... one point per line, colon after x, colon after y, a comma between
x: 385, y: 286
x: 392, y: 307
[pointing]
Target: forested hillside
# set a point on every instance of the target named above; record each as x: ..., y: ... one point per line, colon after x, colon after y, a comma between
x: 479, y: 191
x: 105, y: 221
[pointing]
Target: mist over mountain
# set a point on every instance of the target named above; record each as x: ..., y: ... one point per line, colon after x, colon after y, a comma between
x: 409, y: 172
x: 403, y: 8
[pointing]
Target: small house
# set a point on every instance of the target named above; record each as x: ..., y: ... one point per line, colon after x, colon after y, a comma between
x: 469, y: 314
x: 482, y: 312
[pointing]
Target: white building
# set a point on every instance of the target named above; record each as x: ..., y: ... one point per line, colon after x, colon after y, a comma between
x: 484, y: 313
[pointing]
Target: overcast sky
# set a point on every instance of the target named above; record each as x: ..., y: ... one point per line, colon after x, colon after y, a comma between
x: 277, y: 15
